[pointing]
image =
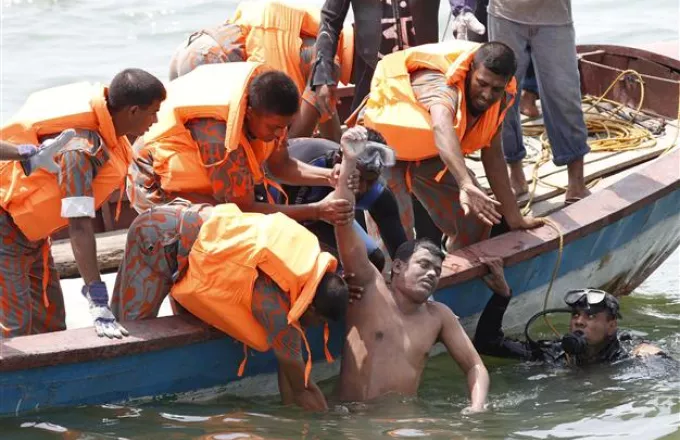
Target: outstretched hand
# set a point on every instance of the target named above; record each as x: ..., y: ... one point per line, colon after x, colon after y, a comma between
x: 475, y: 202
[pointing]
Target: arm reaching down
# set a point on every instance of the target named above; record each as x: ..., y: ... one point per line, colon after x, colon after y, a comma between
x: 463, y: 352
x: 497, y: 172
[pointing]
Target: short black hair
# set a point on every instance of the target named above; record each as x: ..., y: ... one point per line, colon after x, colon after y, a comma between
x: 498, y: 58
x: 375, y: 136
x: 274, y: 92
x: 332, y: 297
x: 406, y: 250
x: 134, y: 87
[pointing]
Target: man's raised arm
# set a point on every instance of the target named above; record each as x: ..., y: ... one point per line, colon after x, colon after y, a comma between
x: 351, y: 247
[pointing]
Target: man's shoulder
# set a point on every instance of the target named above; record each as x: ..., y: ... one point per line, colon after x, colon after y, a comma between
x: 440, y: 311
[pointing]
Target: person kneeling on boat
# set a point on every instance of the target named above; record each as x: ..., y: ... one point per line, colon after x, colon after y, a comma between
x: 282, y: 36
x: 89, y: 124
x: 434, y: 104
x: 222, y: 126
x: 593, y: 335
x: 372, y: 195
x: 390, y: 333
x: 256, y: 277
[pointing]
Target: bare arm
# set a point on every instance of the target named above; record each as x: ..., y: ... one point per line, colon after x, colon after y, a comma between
x: 9, y: 151
x: 463, y: 352
x: 351, y: 247
x: 84, y: 245
x: 304, y: 122
x: 294, y: 172
x: 448, y: 144
x: 293, y: 390
x: 497, y: 174
x: 331, y: 129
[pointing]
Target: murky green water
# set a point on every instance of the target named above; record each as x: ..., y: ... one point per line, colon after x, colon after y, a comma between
x: 50, y: 42
x: 631, y: 400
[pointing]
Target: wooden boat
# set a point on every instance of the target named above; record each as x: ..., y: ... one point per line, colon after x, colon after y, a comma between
x: 613, y: 240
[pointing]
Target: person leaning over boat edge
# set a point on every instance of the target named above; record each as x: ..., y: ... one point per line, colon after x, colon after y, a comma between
x: 390, y: 333
x: 261, y: 31
x: 256, y: 277
x: 593, y: 336
x: 217, y: 153
x: 86, y: 171
x: 456, y: 95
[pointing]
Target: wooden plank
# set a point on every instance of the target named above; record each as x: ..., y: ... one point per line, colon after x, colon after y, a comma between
x: 110, y: 250
x: 597, y: 164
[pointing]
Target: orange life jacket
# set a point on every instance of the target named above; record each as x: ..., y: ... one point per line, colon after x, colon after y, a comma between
x: 223, y: 265
x: 274, y: 36
x: 34, y: 201
x: 210, y: 91
x: 393, y: 110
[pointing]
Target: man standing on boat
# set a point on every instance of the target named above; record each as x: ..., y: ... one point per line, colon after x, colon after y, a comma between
x: 256, y: 277
x: 282, y: 36
x: 222, y: 125
x: 593, y: 329
x: 543, y: 32
x: 373, y: 195
x: 66, y: 193
x: 434, y: 104
x: 390, y: 333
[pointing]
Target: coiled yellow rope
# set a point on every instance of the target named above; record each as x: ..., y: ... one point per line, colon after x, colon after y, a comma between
x: 611, y: 131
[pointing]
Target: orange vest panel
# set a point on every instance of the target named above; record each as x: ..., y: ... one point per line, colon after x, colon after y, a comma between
x: 223, y: 264
x: 274, y: 36
x: 215, y: 91
x: 393, y: 110
x: 49, y: 112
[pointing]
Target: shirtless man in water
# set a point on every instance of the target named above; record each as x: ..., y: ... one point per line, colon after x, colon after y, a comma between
x: 391, y: 330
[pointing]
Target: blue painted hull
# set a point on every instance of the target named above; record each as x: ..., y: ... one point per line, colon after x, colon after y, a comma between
x: 214, y: 363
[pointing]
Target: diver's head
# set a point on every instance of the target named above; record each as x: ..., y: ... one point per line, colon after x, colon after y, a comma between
x: 329, y: 303
x: 370, y: 163
x: 594, y: 319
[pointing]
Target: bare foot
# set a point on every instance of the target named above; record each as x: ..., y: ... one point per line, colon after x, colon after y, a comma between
x: 518, y: 181
x: 496, y: 277
x: 576, y: 189
x: 527, y: 104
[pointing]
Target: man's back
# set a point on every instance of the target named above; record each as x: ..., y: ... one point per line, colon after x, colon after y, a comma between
x: 385, y: 350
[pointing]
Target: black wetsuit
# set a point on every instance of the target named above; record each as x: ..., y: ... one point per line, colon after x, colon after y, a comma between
x: 490, y: 340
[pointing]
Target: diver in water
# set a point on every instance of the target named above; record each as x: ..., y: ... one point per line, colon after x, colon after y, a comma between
x: 593, y: 336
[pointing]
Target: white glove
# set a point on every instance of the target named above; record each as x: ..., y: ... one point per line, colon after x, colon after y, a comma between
x: 44, y: 157
x: 105, y: 323
x: 464, y: 22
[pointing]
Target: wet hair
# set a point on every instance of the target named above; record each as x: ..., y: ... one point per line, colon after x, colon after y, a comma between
x: 134, y: 87
x: 274, y: 92
x: 406, y: 250
x: 498, y: 58
x: 332, y: 297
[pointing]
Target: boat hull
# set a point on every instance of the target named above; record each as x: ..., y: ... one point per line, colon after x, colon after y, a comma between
x: 613, y: 239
